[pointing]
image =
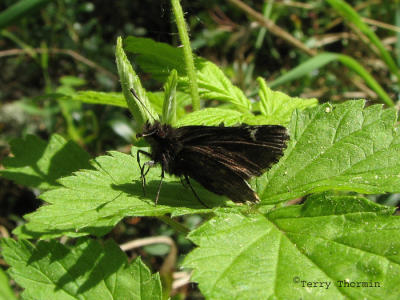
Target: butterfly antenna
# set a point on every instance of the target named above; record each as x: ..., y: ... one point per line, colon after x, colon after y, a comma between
x: 141, y: 102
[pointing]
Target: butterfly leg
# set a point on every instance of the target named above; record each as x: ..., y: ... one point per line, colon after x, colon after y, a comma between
x: 159, y: 186
x: 142, y: 173
x: 149, y: 164
x: 194, y: 192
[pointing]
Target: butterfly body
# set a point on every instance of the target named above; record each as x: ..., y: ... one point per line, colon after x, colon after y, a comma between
x: 220, y: 158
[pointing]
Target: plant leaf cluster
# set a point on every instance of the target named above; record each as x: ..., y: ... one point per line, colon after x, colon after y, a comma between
x: 242, y: 252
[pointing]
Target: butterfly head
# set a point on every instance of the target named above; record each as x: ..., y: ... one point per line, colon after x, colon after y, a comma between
x: 155, y: 131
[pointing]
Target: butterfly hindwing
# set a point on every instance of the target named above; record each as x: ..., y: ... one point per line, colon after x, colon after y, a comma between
x: 212, y: 170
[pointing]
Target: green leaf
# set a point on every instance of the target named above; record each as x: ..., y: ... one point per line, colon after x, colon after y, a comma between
x: 156, y: 58
x: 39, y: 164
x: 160, y: 58
x: 278, y: 107
x: 18, y: 10
x: 117, y: 99
x: 6, y: 293
x: 327, y: 239
x: 157, y: 101
x: 212, y: 117
x: 218, y: 116
x: 344, y: 147
x: 93, y: 97
x: 51, y: 270
x: 213, y: 84
x: 72, y: 81
x: 141, y: 108
x: 169, y: 105
x: 305, y: 68
x: 93, y: 201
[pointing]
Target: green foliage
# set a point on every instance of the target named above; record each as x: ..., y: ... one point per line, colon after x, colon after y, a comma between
x: 93, y: 97
x: 169, y: 103
x: 117, y: 99
x: 278, y: 107
x: 342, y: 147
x: 263, y: 251
x: 6, y: 292
x: 212, y: 82
x: 212, y: 117
x: 99, y: 198
x: 139, y: 107
x: 327, y: 239
x: 19, y: 9
x: 352, y: 16
x: 40, y: 164
x: 88, y: 270
x: 159, y: 59
x: 332, y: 147
x: 323, y: 59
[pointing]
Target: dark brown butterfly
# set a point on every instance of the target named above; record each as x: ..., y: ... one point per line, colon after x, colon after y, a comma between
x: 220, y: 158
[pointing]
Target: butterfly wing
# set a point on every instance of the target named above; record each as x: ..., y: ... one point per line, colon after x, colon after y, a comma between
x: 223, y: 158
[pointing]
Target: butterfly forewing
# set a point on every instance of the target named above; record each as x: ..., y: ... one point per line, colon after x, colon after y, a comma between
x: 223, y: 158
x: 262, y: 145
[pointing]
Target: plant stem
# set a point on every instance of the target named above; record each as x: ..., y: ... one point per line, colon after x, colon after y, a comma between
x: 187, y: 51
x: 272, y: 27
x: 175, y: 225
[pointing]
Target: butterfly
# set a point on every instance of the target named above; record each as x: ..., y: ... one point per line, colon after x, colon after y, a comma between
x: 220, y: 158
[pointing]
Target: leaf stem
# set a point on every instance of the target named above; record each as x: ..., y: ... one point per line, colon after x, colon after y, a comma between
x: 187, y: 51
x: 175, y: 225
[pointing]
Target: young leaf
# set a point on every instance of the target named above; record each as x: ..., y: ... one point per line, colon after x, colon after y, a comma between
x: 344, y: 147
x: 51, y: 270
x: 277, y: 106
x: 159, y: 58
x: 157, y: 101
x: 213, y: 84
x: 141, y: 109
x: 156, y: 58
x: 6, y: 293
x: 169, y: 105
x: 93, y: 201
x: 38, y: 164
x: 212, y: 117
x: 327, y: 239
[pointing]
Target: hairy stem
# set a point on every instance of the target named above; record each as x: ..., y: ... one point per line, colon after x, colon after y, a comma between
x: 187, y: 51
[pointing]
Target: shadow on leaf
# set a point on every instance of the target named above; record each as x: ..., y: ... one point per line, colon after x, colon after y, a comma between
x: 172, y: 194
x: 86, y: 265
